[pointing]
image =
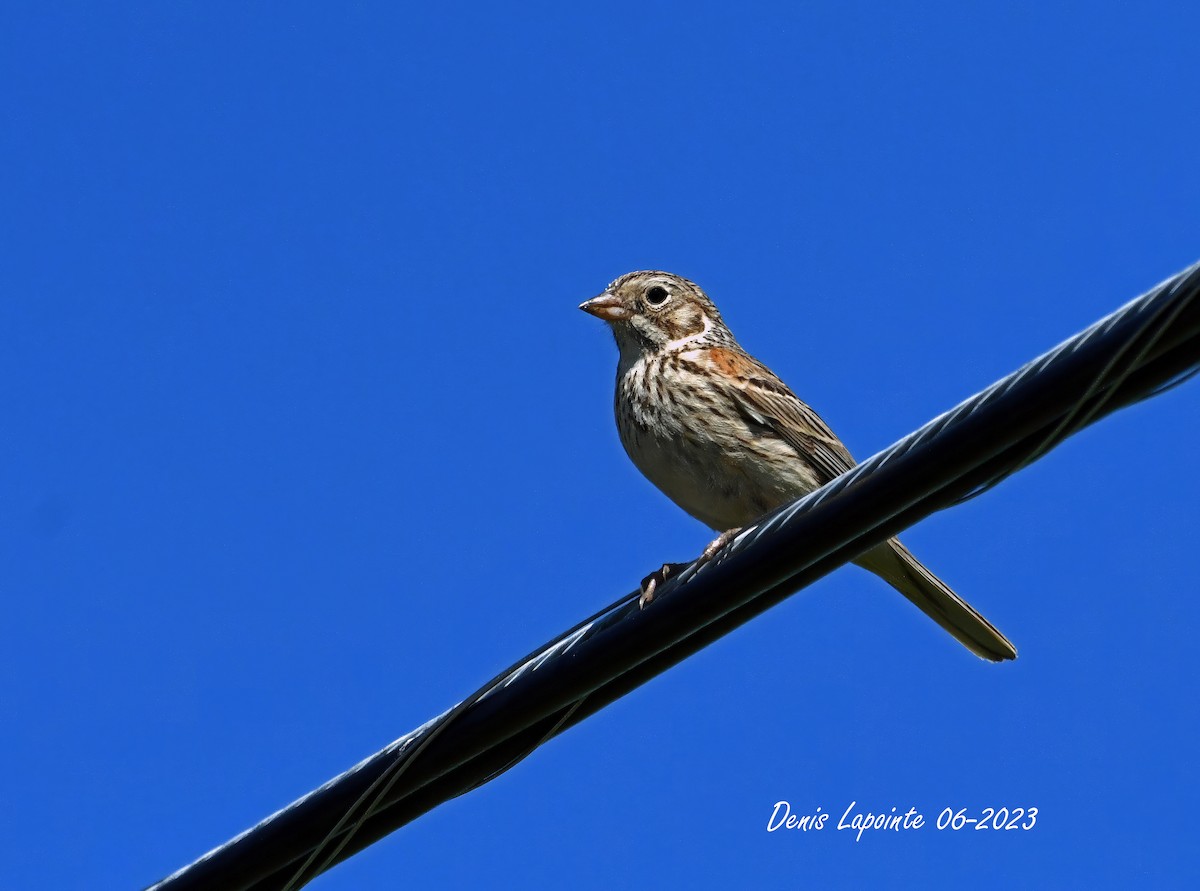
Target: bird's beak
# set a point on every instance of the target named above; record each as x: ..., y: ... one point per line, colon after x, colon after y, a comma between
x: 608, y: 307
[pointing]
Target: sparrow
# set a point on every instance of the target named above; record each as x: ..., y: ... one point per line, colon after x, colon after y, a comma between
x: 725, y: 439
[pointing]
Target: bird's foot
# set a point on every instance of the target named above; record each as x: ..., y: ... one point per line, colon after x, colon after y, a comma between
x: 719, y: 542
x: 651, y: 583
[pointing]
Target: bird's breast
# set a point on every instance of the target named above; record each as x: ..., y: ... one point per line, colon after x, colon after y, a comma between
x: 693, y: 444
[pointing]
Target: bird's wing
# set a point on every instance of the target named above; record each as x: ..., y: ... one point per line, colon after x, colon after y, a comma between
x: 766, y: 400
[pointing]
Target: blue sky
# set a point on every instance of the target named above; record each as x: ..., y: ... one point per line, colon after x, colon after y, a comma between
x: 305, y: 437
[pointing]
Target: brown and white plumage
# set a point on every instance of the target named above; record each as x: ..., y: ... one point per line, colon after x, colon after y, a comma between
x: 727, y: 441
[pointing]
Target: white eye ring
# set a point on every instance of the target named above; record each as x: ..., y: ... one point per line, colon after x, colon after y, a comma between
x: 657, y: 295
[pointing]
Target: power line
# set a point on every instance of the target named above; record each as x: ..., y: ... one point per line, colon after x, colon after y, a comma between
x: 1142, y: 349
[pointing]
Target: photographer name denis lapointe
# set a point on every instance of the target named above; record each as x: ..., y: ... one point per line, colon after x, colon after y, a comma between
x: 859, y: 821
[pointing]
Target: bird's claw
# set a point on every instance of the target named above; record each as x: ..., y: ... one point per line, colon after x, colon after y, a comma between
x: 651, y: 582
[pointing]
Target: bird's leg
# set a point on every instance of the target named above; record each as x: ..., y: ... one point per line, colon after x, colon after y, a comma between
x: 651, y: 582
x: 719, y: 542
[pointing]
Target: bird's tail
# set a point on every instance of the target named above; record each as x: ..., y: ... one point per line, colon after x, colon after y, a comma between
x: 896, y: 565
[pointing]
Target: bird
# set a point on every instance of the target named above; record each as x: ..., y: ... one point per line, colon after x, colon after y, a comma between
x: 726, y: 440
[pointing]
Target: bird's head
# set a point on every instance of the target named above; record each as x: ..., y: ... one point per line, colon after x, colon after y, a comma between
x: 652, y: 311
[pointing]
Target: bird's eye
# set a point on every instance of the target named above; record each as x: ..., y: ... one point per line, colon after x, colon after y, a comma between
x: 657, y: 295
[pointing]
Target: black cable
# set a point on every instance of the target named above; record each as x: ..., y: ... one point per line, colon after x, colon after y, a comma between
x: 1145, y: 347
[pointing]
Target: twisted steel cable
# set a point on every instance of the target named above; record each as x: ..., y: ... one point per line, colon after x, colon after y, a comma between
x: 1144, y: 348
